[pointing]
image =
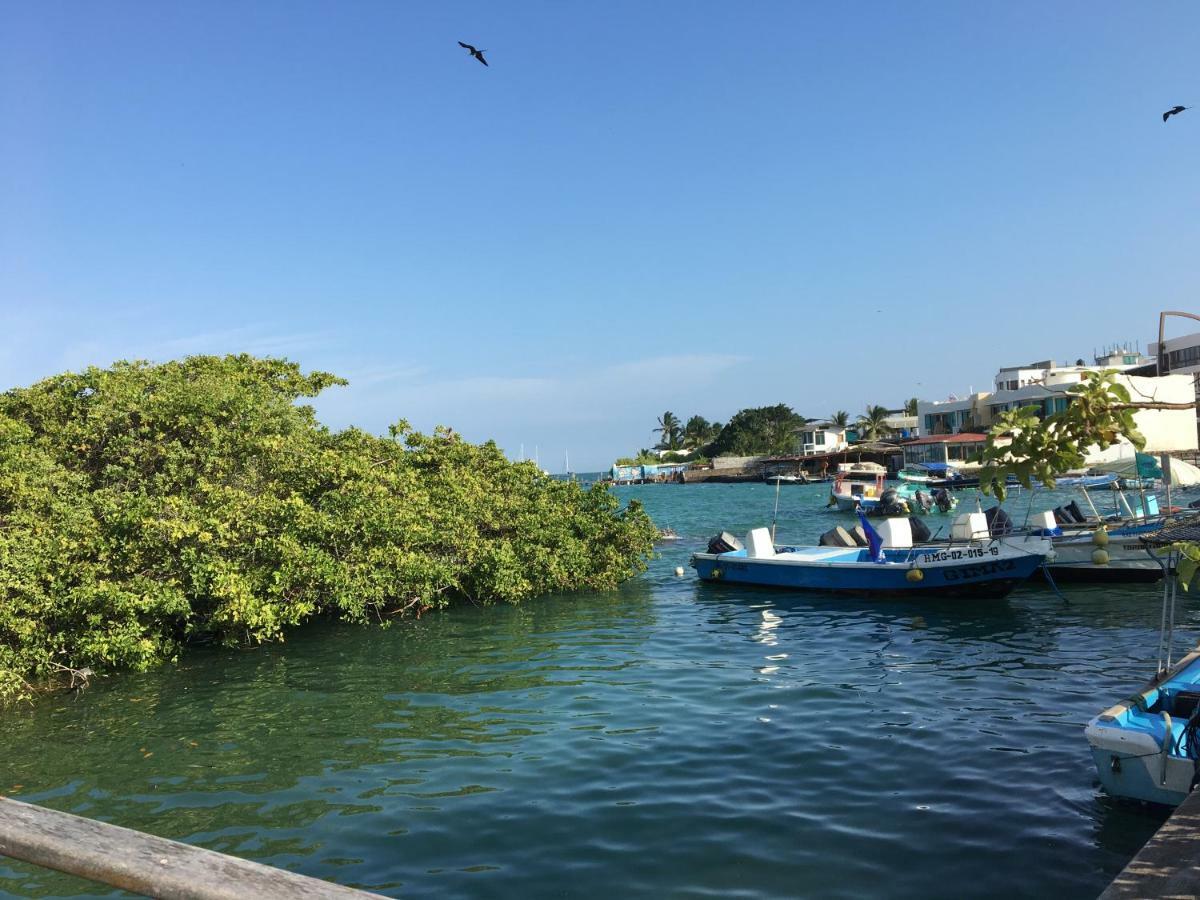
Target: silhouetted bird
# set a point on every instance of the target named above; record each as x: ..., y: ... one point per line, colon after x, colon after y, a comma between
x: 1174, y: 111
x: 478, y: 54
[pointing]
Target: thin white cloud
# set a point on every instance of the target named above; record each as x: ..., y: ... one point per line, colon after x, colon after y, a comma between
x: 253, y: 339
x: 598, y: 400
x: 695, y: 365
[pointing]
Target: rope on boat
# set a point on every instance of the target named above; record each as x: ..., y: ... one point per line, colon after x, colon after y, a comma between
x: 1050, y: 581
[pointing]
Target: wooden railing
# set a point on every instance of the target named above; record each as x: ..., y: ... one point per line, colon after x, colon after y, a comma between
x: 145, y: 864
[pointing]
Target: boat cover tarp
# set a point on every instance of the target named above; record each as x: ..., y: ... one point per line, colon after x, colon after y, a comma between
x: 1144, y: 465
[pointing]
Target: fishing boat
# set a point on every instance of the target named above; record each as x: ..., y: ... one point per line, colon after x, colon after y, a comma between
x: 1090, y: 545
x: 928, y: 473
x: 1148, y: 747
x: 921, y: 500
x: 801, y: 478
x: 857, y: 486
x: 975, y: 566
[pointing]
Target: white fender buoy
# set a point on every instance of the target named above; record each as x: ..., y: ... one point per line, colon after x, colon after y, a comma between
x: 679, y: 571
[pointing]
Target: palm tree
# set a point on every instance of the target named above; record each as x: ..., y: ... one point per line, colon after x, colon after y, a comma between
x: 910, y: 406
x: 871, y: 426
x: 669, y: 431
x: 841, y: 418
x: 696, y: 432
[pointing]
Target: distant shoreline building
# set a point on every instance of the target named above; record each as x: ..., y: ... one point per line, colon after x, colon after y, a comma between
x: 1181, y: 357
x: 1046, y: 385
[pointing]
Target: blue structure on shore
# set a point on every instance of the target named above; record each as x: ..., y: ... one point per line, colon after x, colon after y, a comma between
x: 659, y: 472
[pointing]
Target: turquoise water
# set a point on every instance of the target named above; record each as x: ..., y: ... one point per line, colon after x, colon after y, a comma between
x: 667, y: 739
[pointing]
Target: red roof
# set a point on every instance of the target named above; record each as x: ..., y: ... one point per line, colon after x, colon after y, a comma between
x: 965, y: 437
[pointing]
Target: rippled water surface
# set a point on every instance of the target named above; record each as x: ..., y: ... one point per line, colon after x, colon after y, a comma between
x: 670, y: 738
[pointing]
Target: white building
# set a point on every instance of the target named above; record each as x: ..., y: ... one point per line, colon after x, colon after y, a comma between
x: 1047, y: 386
x: 902, y: 424
x: 823, y: 438
x: 1182, y: 358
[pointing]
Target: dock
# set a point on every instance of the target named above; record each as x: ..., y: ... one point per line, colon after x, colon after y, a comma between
x: 1169, y: 864
x: 145, y: 864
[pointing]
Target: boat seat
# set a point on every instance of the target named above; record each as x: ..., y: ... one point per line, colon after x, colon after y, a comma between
x: 759, y: 544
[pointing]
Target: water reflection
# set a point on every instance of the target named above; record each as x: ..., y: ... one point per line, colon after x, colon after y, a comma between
x: 670, y: 738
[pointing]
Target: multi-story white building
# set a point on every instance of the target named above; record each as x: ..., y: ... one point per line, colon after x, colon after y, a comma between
x: 1047, y: 386
x: 825, y: 438
x: 1182, y: 354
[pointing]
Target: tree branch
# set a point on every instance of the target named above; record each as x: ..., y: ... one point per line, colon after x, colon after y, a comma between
x: 1153, y: 405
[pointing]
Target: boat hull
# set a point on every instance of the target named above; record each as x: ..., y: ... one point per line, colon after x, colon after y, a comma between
x: 1072, y: 563
x: 1140, y: 746
x: 1128, y: 561
x: 988, y: 571
x: 851, y: 502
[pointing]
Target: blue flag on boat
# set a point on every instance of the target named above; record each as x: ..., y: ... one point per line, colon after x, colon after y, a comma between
x: 874, y: 541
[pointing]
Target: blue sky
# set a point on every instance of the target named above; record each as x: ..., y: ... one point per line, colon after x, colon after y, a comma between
x: 637, y: 207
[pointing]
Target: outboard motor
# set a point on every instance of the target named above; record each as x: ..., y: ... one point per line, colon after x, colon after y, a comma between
x: 924, y: 503
x: 942, y: 498
x: 724, y: 543
x: 920, y: 531
x: 999, y: 522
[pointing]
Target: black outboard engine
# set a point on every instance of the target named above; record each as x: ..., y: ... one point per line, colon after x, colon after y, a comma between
x: 942, y: 498
x: 923, y: 501
x: 890, y: 504
x: 920, y: 531
x: 999, y: 522
x: 724, y: 543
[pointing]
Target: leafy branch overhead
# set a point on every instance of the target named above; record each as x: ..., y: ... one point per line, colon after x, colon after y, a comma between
x: 1035, y: 449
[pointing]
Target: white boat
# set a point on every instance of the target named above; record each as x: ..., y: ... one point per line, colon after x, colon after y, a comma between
x: 927, y: 473
x: 857, y: 486
x: 787, y: 479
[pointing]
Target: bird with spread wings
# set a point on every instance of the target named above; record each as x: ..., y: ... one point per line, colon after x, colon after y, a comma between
x: 478, y: 54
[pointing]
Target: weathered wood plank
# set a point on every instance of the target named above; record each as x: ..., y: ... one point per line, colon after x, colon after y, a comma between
x: 146, y: 864
x: 1169, y: 864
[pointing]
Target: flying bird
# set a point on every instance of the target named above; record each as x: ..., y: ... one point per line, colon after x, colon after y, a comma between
x: 478, y: 54
x: 1173, y: 111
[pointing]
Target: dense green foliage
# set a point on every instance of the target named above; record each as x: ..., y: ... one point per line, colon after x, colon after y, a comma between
x: 760, y: 431
x: 699, y: 431
x: 142, y: 506
x: 1032, y: 448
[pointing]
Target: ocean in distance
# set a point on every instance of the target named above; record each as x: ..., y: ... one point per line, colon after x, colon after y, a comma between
x: 670, y: 738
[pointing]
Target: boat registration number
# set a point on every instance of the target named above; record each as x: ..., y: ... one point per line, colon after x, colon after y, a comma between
x: 965, y: 553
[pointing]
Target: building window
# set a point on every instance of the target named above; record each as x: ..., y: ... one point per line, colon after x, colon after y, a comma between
x: 1186, y: 356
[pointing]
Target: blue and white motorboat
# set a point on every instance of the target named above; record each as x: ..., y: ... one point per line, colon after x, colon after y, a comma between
x: 1148, y: 746
x: 858, y: 486
x: 976, y: 567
